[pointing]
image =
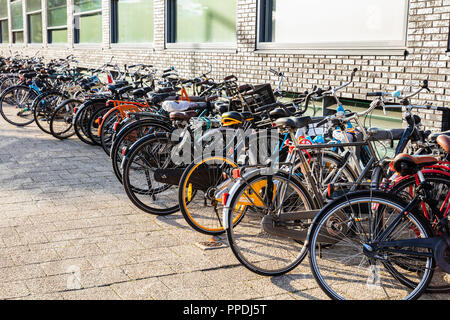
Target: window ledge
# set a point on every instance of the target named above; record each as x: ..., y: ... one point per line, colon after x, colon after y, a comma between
x: 83, y: 46
x: 132, y: 46
x: 283, y: 49
x: 215, y: 47
x: 58, y: 45
x: 35, y: 45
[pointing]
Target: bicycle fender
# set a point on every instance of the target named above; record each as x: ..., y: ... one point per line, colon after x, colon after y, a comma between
x: 137, y: 144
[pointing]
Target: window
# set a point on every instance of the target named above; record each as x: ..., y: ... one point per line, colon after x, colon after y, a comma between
x: 34, y: 21
x: 17, y: 21
x: 201, y: 21
x: 88, y: 21
x: 132, y: 21
x: 57, y: 21
x: 372, y: 24
x: 4, y: 33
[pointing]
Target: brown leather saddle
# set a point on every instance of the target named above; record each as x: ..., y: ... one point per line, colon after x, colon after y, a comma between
x: 182, y: 115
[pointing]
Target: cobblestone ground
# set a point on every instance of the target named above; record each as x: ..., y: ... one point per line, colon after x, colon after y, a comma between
x: 68, y: 231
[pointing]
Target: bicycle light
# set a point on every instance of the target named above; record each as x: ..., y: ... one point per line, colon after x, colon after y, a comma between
x: 225, y: 198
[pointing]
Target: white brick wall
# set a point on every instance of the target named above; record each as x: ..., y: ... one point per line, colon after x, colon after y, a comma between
x: 428, y: 30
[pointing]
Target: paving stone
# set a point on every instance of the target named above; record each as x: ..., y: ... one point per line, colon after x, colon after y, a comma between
x: 13, y: 290
x: 102, y: 293
x: 146, y: 289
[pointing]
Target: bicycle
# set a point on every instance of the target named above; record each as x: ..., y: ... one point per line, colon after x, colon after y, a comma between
x: 380, y: 241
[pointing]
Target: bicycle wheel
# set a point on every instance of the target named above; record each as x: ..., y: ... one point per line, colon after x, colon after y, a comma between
x: 107, y: 130
x: 83, y: 117
x: 44, y: 106
x: 341, y: 256
x: 261, y: 250
x: 406, y: 188
x: 61, y: 123
x: 199, y: 185
x: 16, y: 105
x: 78, y: 122
x: 128, y: 136
x: 94, y: 122
x: 8, y: 81
x: 146, y: 167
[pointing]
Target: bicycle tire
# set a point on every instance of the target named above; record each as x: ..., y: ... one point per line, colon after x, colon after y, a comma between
x: 6, y: 101
x: 434, y: 177
x: 63, y: 115
x: 107, y: 130
x: 281, y: 254
x: 149, y: 198
x: 42, y: 113
x: 202, y: 219
x: 94, y: 123
x: 342, y: 224
x: 116, y: 148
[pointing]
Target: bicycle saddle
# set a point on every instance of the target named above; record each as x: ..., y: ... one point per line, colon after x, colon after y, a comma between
x: 406, y: 164
x: 118, y: 85
x: 444, y: 142
x: 29, y: 75
x: 159, y: 97
x: 232, y: 118
x: 124, y: 90
x: 182, y: 116
x: 281, y: 113
x: 195, y: 99
x: 64, y: 78
x: 164, y: 90
x: 293, y: 122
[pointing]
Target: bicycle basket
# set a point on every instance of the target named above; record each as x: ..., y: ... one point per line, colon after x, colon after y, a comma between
x: 260, y: 96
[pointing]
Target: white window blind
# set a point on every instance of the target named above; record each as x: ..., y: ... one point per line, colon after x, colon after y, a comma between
x: 337, y: 23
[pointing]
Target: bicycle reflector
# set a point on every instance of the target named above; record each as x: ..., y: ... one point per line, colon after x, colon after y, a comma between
x: 116, y: 124
x: 75, y: 110
x: 236, y: 173
x: 330, y: 190
x: 225, y: 198
x: 124, y: 151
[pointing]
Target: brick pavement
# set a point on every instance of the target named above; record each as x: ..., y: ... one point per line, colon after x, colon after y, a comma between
x: 68, y: 231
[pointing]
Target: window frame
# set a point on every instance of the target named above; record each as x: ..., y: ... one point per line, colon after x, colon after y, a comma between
x: 264, y: 33
x: 114, y: 30
x: 55, y: 28
x: 5, y: 18
x: 28, y: 24
x: 76, y: 32
x: 7, y: 27
x: 13, y: 31
x: 170, y: 34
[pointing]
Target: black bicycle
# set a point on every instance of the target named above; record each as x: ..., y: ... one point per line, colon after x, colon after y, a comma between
x: 374, y: 245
